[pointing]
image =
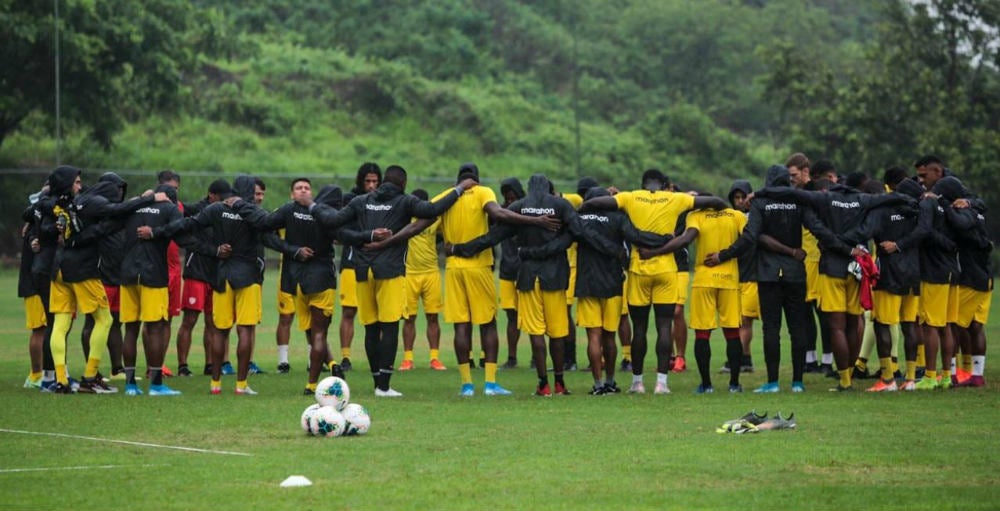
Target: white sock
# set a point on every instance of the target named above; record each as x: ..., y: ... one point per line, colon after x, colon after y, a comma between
x: 952, y: 365
x: 828, y: 358
x: 810, y: 356
x: 661, y: 378
x: 48, y: 375
x: 598, y: 382
x: 978, y: 363
x: 636, y: 378
x: 283, y: 354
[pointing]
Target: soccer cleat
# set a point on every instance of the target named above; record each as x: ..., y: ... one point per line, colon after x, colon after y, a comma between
x: 494, y: 389
x: 626, y: 365
x: 679, y: 365
x: 117, y: 376
x: 346, y: 364
x: 338, y: 371
x: 746, y: 368
x: 926, y: 384
x: 840, y: 388
x: 132, y: 389
x: 883, y: 386
x: 569, y: 366
x: 162, y: 390
x: 724, y: 369
x: 467, y: 390
x: 908, y: 385
x: 406, y: 365
x: 774, y: 423
x: 612, y: 388
x: 561, y: 389
x: 858, y: 373
x: 308, y: 392
x: 543, y: 390
x: 245, y: 391
x: 921, y: 371
x: 96, y: 386
x: 215, y: 391
x: 255, y: 369
x: 166, y: 371
x: 511, y: 363
x: 390, y: 392
x: 768, y: 388
x: 227, y: 369
x: 284, y: 368
x: 976, y: 381
x: 944, y: 383
x: 797, y: 387
x: 661, y: 388
x: 704, y: 389
x: 183, y: 370
x: 751, y: 417
x: 637, y: 388
x: 735, y: 388
x: 32, y: 384
x: 830, y: 372
x: 597, y: 390
x: 438, y: 366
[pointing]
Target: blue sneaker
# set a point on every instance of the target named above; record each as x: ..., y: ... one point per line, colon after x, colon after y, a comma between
x: 132, y: 389
x: 162, y: 390
x: 494, y: 389
x: 227, y: 369
x: 467, y: 390
x: 767, y: 388
x: 255, y: 369
x: 704, y: 389
x: 797, y: 386
x: 736, y: 389
x: 47, y: 386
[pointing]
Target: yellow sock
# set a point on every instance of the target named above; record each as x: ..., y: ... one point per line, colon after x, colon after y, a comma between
x: 911, y: 370
x: 35, y: 376
x: 895, y: 365
x: 331, y: 364
x: 931, y: 374
x: 216, y: 384
x: 627, y: 352
x: 465, y: 372
x: 436, y: 355
x: 946, y: 375
x: 491, y: 372
x: 408, y: 356
x: 886, y: 368
x: 98, y: 339
x: 311, y: 386
x: 241, y: 384
x: 921, y: 356
x: 845, y: 378
x: 861, y: 364
x: 93, y: 364
x: 345, y: 352
x: 61, y: 374
x: 967, y: 363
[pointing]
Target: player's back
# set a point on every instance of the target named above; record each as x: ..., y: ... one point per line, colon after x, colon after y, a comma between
x: 465, y: 221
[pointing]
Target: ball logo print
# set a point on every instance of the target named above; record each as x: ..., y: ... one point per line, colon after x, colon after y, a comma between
x: 358, y: 420
x: 307, y: 416
x: 333, y: 391
x: 327, y: 422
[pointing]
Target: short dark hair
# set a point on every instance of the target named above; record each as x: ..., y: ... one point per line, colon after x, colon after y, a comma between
x: 167, y: 175
x: 797, y: 160
x: 420, y: 193
x: 259, y: 182
x: 928, y: 159
x: 873, y: 186
x: 469, y: 167
x: 894, y: 175
x: 220, y: 187
x: 856, y: 179
x: 820, y: 168
x: 366, y: 168
x: 655, y: 175
x: 395, y: 174
x: 296, y: 180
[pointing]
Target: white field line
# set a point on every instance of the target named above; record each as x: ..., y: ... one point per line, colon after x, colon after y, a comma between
x: 83, y: 467
x: 126, y: 442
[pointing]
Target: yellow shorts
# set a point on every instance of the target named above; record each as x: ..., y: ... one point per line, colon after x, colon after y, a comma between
x: 508, y: 294
x: 236, y: 306
x: 34, y: 312
x: 604, y: 313
x: 839, y: 295
x: 652, y: 289
x: 381, y: 300
x: 973, y: 305
x: 470, y: 295
x: 286, y: 303
x: 749, y: 300
x: 683, y: 283
x: 812, y: 281
x: 571, y: 290
x: 542, y: 312
x: 424, y: 287
x: 890, y: 309
x: 953, y: 304
x: 68, y: 297
x: 304, y: 303
x: 142, y: 303
x: 934, y: 304
x: 713, y: 307
x: 348, y: 288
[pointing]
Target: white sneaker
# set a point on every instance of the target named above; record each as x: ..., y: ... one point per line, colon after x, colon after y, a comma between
x: 246, y: 391
x: 388, y: 393
x: 637, y: 388
x: 661, y: 388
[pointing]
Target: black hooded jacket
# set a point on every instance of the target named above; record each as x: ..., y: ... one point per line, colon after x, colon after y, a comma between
x: 782, y: 220
x: 899, y: 272
x: 747, y: 258
x: 972, y: 236
x: 509, y: 259
x: 938, y: 252
x: 387, y: 207
x: 200, y: 266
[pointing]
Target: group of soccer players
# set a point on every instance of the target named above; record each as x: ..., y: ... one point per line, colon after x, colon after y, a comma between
x: 872, y: 262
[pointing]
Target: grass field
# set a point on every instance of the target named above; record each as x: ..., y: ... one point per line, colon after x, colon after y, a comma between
x: 435, y: 450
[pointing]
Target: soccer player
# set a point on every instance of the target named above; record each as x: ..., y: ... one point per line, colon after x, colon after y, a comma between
x: 34, y: 289
x: 423, y: 284
x: 511, y: 190
x: 652, y: 283
x: 575, y: 199
x: 368, y: 178
x: 715, y: 293
x: 678, y: 334
x: 170, y: 178
x: 739, y: 198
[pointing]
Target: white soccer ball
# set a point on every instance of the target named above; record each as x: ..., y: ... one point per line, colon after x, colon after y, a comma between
x: 358, y: 420
x: 327, y: 422
x: 333, y: 391
x: 307, y: 415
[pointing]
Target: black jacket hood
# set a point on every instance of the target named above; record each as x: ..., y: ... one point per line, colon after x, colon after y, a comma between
x: 513, y: 184
x: 597, y: 191
x: 950, y: 188
x: 61, y: 181
x: 387, y: 191
x: 740, y: 185
x: 111, y: 177
x: 777, y: 175
x: 538, y: 189
x: 331, y: 195
x: 243, y: 186
x: 910, y: 188
x: 169, y: 190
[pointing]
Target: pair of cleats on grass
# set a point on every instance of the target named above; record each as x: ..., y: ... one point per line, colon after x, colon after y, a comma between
x: 753, y: 422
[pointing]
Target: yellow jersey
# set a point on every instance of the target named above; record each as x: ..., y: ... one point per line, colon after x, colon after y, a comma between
x: 465, y: 221
x: 655, y: 212
x: 421, y: 253
x: 717, y: 230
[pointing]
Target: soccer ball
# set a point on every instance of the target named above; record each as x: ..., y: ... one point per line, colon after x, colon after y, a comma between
x: 333, y: 391
x: 358, y: 420
x: 307, y: 415
x: 327, y: 422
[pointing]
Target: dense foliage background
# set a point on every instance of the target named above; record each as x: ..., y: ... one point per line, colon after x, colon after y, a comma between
x: 707, y: 91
